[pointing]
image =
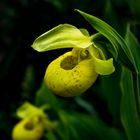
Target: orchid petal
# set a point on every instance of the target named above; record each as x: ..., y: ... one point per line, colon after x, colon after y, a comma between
x: 61, y: 36
x: 28, y: 110
x: 104, y: 67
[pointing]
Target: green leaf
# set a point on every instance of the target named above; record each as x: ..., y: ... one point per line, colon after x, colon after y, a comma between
x: 61, y: 36
x: 129, y: 114
x: 97, y: 126
x: 109, y: 91
x: 78, y: 126
x: 85, y: 105
x: 134, y: 46
x: 120, y: 50
x: 45, y: 96
x: 50, y: 136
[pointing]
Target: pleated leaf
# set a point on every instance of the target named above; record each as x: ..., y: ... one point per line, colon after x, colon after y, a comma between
x: 128, y: 112
x: 78, y: 126
x: 134, y: 46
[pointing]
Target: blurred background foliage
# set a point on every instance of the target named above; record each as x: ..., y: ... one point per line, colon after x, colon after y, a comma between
x: 22, y: 69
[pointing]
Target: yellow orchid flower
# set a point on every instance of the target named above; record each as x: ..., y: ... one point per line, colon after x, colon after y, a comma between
x: 33, y: 124
x: 75, y: 71
x: 28, y: 129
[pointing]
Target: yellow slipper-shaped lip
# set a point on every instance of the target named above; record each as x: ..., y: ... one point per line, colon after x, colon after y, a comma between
x: 66, y: 78
x: 28, y: 129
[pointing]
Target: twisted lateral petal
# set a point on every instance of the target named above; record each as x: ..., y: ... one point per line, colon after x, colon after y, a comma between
x: 66, y: 78
x: 102, y: 67
x: 61, y: 36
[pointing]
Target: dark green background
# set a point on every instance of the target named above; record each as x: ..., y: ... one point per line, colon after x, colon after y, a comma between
x: 22, y: 69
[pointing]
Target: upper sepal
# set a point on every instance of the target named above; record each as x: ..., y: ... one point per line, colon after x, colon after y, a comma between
x: 61, y: 36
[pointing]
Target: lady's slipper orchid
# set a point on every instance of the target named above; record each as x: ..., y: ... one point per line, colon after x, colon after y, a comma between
x: 74, y: 72
x: 28, y: 129
x: 34, y: 122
